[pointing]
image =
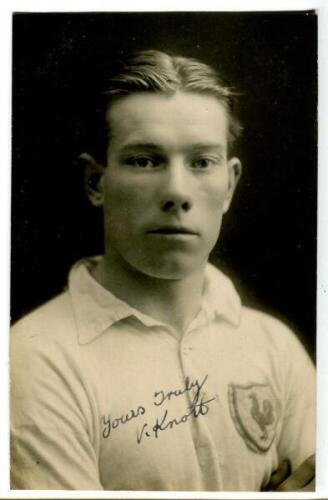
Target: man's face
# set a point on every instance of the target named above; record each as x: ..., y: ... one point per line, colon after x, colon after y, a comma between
x: 167, y: 182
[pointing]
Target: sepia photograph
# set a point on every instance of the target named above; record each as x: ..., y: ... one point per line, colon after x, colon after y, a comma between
x: 164, y: 251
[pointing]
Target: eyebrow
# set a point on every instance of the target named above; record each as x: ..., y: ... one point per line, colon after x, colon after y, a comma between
x: 208, y: 146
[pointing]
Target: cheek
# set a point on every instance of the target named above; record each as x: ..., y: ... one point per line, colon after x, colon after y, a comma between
x: 214, y: 197
x: 125, y: 202
x: 215, y: 194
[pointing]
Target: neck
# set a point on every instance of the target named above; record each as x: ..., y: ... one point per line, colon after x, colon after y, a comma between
x: 174, y: 302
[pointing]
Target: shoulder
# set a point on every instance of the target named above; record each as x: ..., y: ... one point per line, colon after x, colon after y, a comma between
x: 44, y: 351
x: 252, y: 327
x: 49, y: 328
x: 57, y: 307
x: 266, y: 329
x: 272, y: 344
x: 260, y: 323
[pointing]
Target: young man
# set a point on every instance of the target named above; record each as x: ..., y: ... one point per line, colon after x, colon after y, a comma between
x: 148, y: 373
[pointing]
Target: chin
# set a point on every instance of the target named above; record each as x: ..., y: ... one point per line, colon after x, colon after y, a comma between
x: 172, y: 270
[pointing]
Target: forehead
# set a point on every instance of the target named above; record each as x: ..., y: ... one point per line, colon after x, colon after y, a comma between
x: 175, y: 120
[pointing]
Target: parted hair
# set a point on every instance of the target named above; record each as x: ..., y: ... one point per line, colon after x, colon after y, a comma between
x: 158, y: 72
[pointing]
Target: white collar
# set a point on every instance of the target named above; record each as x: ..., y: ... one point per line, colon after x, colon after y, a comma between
x: 96, y: 309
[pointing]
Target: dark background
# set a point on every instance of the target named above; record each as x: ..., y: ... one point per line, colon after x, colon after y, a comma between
x: 268, y: 242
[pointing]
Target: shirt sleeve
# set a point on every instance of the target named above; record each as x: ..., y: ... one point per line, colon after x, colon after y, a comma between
x: 52, y: 444
x: 297, y: 439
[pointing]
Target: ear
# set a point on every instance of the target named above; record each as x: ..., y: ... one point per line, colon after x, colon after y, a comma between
x: 93, y: 179
x: 234, y: 173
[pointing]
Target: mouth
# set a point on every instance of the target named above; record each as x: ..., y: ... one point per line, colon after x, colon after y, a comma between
x: 172, y: 230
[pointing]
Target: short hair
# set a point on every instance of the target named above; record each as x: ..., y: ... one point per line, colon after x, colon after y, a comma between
x: 158, y: 72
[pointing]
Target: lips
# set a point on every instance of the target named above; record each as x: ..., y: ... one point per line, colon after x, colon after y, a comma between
x: 172, y: 230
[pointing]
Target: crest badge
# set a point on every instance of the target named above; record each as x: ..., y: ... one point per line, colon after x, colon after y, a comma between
x: 255, y: 411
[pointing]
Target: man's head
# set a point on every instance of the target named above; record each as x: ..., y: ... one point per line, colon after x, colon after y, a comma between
x: 168, y: 175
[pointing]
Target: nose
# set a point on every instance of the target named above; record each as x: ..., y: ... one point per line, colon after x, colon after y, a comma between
x: 176, y: 189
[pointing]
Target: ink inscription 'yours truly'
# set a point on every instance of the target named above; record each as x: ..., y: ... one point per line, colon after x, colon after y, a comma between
x: 197, y: 406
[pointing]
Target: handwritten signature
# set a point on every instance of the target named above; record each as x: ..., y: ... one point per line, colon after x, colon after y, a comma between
x: 198, y: 407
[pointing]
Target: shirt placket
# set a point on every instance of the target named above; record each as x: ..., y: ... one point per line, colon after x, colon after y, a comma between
x: 207, y: 454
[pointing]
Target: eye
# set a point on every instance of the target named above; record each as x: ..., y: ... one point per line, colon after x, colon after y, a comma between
x: 143, y: 161
x: 204, y: 163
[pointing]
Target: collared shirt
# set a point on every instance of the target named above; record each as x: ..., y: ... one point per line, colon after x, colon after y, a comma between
x: 106, y: 397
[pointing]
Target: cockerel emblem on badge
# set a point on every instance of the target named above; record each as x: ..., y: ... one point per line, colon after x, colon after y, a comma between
x: 255, y: 411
